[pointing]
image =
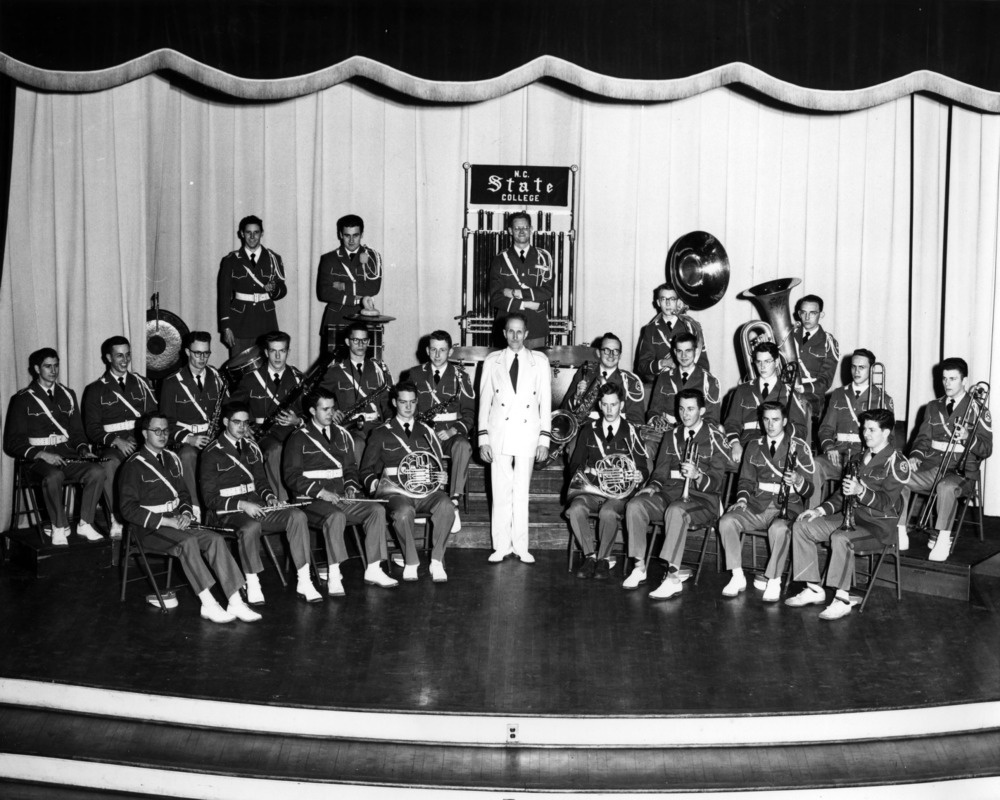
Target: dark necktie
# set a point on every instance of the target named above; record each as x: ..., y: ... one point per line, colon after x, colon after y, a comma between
x: 521, y: 254
x: 857, y: 394
x: 406, y: 429
x: 766, y: 389
x: 772, y: 447
x: 50, y: 394
x: 805, y: 337
x: 611, y: 433
x: 690, y: 434
x: 201, y: 386
x: 121, y: 381
x: 159, y: 457
x: 950, y: 407
x: 239, y: 448
x: 670, y: 327
x: 326, y: 434
x: 604, y: 376
x: 253, y: 258
x: 275, y: 378
x: 437, y: 377
x: 684, y: 378
x: 513, y: 373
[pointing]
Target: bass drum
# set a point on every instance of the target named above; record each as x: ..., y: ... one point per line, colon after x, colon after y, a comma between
x: 165, y: 334
x: 243, y: 363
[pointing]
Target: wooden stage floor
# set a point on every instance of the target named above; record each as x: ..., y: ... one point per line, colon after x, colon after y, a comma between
x: 511, y: 639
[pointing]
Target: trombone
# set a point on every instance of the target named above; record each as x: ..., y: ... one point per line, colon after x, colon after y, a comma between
x: 876, y: 382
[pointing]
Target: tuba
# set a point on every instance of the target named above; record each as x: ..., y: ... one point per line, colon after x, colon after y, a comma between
x: 771, y: 299
x: 698, y: 269
x: 617, y: 478
x: 418, y: 474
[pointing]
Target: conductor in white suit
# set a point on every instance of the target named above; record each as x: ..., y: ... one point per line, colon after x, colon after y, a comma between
x: 515, y: 410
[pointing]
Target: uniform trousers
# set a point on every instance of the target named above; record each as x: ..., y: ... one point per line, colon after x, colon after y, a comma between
x: 610, y: 514
x: 731, y: 528
x: 189, y: 461
x: 825, y: 470
x: 52, y: 479
x: 949, y: 489
x: 188, y: 546
x: 460, y: 451
x: 113, y: 459
x: 248, y: 532
x: 402, y: 510
x: 271, y: 448
x: 510, y: 480
x: 334, y: 518
x: 805, y: 561
x: 677, y: 517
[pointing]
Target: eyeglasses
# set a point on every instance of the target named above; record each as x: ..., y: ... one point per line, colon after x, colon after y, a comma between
x: 609, y: 352
x: 352, y: 340
x: 239, y: 423
x: 159, y: 431
x: 200, y: 353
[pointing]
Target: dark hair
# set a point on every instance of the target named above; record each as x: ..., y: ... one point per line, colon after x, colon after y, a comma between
x: 319, y: 393
x: 809, y: 298
x: 663, y: 287
x: 350, y: 221
x: 405, y: 386
x: 110, y: 344
x: 611, y: 388
x: 197, y: 336
x: 767, y: 347
x: 277, y: 336
x: 690, y: 394
x: 35, y: 359
x: 861, y: 351
x: 515, y: 315
x: 958, y: 364
x: 610, y: 335
x: 687, y: 336
x: 439, y: 336
x: 354, y: 327
x: 251, y: 220
x: 519, y: 215
x: 882, y: 417
x: 143, y: 422
x: 770, y: 405
x: 235, y: 407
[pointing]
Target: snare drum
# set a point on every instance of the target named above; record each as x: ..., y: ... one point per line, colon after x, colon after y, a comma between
x: 243, y: 363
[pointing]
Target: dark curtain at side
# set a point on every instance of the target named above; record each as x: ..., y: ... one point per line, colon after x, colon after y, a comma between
x: 7, y: 95
x: 816, y: 44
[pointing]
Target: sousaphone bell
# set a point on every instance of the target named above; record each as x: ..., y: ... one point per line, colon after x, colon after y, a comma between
x: 698, y: 269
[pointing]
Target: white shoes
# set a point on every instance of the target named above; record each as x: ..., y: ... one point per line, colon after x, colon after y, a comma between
x: 213, y: 612
x: 498, y: 555
x: 376, y: 577
x: 334, y: 581
x: 807, y: 597
x: 116, y: 529
x: 306, y: 591
x: 772, y: 590
x: 837, y: 609
x: 241, y: 610
x: 942, y: 548
x: 87, y: 531
x: 255, y: 595
x: 410, y: 572
x: 668, y: 588
x: 760, y: 582
x: 737, y: 584
x: 635, y: 578
x: 438, y: 575
x: 904, y: 539
x: 60, y: 537
x: 526, y: 557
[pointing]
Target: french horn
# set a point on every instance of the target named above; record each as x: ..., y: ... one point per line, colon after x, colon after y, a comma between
x: 418, y: 474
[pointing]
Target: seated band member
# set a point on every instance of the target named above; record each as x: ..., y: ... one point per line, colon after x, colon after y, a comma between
x: 387, y: 446
x: 355, y: 379
x: 654, y: 355
x: 703, y: 473
x: 743, y: 418
x: 111, y: 406
x: 765, y: 468
x: 521, y: 280
x: 44, y: 429
x: 319, y: 464
x: 611, y: 434
x: 607, y: 370
x: 237, y: 494
x: 439, y: 381
x: 839, y: 432
x: 818, y: 351
x: 940, y: 430
x: 190, y: 398
x: 265, y: 390
x: 154, y: 500
x: 876, y: 495
x: 685, y: 375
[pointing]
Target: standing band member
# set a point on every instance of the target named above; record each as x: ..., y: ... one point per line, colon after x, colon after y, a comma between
x: 818, y: 353
x: 44, y: 429
x: 521, y: 281
x: 251, y: 279
x: 685, y: 375
x: 237, y: 495
x: 610, y: 435
x: 155, y: 501
x: 654, y: 355
x: 349, y: 277
x: 319, y: 464
x: 189, y: 399
x: 111, y: 406
x: 875, y: 492
x: 515, y: 411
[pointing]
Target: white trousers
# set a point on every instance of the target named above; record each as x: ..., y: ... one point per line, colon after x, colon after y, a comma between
x: 510, y: 479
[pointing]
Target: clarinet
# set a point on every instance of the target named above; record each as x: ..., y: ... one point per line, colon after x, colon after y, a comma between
x: 359, y: 421
x: 429, y: 414
x: 851, y: 470
x: 309, y: 382
x: 783, y: 493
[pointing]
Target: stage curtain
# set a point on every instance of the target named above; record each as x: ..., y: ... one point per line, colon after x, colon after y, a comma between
x: 137, y: 189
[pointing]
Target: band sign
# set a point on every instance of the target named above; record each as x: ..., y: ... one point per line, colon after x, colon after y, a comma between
x: 493, y: 184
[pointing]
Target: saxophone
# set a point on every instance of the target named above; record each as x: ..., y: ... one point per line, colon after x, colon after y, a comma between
x: 428, y: 415
x: 350, y: 413
x: 309, y: 382
x: 565, y: 425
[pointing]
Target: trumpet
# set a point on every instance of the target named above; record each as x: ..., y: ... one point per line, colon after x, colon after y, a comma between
x: 690, y: 455
x: 876, y: 382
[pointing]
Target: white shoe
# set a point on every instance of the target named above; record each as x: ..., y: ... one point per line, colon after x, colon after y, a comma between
x: 760, y: 582
x: 499, y: 555
x: 941, y: 549
x: 169, y: 600
x: 255, y: 595
x: 305, y: 590
x: 60, y: 537
x: 399, y: 561
x: 526, y: 557
x: 837, y: 609
x: 668, y: 588
x: 438, y: 575
x: 682, y: 574
x: 904, y: 539
x: 87, y: 531
x: 323, y: 574
x: 772, y: 591
x: 241, y: 610
x: 410, y: 572
x: 216, y: 613
x: 807, y: 597
x: 335, y: 586
x: 116, y: 529
x: 376, y: 577
x: 456, y: 526
x: 635, y: 578
x: 737, y: 584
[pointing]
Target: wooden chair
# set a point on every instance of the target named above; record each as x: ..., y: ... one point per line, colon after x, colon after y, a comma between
x: 25, y: 503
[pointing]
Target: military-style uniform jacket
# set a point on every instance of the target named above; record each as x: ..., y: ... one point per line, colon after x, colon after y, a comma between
x: 714, y: 458
x: 880, y: 502
x: 311, y: 464
x: 761, y: 473
x: 533, y: 278
x: 655, y: 343
x: 387, y: 446
x: 189, y: 409
x: 149, y: 490
x: 935, y: 433
x: 840, y: 429
x: 361, y: 275
x: 742, y: 421
x: 110, y: 410
x: 350, y: 387
x: 818, y: 360
x: 632, y: 409
x: 662, y: 400
x: 228, y: 476
x: 244, y: 303
x: 37, y: 423
x: 257, y: 388
x: 593, y: 444
x: 454, y: 386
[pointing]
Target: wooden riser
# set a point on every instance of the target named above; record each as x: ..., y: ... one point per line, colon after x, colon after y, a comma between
x: 28, y: 553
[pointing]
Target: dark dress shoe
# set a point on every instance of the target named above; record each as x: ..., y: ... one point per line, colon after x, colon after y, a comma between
x: 603, y: 571
x: 587, y: 568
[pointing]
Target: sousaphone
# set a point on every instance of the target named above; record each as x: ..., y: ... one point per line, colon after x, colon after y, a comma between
x: 698, y: 269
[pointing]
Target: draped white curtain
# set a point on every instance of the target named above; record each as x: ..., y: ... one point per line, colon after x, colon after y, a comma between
x: 139, y: 188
